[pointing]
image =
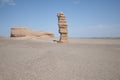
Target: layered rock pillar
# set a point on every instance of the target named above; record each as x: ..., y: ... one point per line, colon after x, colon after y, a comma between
x: 62, y: 27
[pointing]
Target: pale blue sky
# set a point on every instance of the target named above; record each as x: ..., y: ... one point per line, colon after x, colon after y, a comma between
x: 85, y: 18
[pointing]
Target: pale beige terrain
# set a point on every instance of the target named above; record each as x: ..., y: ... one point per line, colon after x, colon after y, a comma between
x: 80, y: 59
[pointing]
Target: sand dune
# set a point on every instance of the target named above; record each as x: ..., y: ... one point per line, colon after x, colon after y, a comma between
x: 80, y: 59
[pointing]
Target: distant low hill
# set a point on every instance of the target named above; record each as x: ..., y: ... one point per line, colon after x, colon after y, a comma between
x: 96, y: 37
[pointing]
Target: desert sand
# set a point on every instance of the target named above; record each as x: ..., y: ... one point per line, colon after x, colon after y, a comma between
x: 80, y: 59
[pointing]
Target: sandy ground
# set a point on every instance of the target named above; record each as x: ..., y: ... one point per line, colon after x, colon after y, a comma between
x: 80, y: 59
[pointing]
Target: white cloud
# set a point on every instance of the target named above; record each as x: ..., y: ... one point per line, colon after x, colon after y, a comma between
x: 7, y: 2
x: 76, y: 1
x: 103, y: 30
x: 98, y: 30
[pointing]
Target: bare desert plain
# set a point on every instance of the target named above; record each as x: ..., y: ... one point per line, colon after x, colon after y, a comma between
x: 79, y: 59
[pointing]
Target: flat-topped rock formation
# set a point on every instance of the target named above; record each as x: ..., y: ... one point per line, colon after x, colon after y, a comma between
x: 24, y: 32
x: 62, y: 27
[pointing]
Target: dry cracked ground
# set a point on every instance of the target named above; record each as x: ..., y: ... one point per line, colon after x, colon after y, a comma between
x: 80, y: 59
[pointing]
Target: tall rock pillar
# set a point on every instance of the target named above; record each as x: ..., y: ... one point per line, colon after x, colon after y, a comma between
x: 62, y: 27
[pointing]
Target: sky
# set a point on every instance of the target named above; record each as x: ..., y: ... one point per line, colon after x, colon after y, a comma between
x: 85, y: 18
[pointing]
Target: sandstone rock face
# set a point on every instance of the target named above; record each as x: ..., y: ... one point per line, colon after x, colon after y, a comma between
x: 24, y: 32
x: 62, y: 27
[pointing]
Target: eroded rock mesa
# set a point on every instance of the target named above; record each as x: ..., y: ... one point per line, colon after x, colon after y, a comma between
x: 24, y: 32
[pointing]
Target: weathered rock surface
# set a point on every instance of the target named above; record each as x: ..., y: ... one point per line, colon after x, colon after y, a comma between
x: 62, y: 27
x: 24, y: 32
